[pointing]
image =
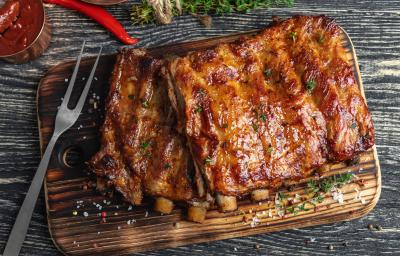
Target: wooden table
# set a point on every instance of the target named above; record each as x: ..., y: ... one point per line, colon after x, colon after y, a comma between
x: 375, y: 29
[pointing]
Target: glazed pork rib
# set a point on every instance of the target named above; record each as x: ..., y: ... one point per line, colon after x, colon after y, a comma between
x: 140, y: 153
x: 269, y: 108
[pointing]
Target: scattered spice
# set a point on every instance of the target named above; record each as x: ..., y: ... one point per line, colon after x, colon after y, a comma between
x: 330, y: 247
x: 85, y: 214
x: 270, y: 149
x: 353, y: 125
x: 315, y: 192
x: 167, y: 166
x: 131, y: 96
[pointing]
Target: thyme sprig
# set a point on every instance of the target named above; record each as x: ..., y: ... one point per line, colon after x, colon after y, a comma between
x: 144, y: 13
x: 315, y: 192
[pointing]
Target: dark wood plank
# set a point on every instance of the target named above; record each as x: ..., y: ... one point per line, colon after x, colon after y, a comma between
x: 374, y: 28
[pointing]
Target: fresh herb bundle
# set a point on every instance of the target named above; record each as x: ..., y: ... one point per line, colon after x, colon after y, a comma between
x: 145, y: 13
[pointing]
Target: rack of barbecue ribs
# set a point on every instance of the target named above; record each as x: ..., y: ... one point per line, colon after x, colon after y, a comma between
x: 269, y: 108
x: 236, y: 120
x: 141, y: 154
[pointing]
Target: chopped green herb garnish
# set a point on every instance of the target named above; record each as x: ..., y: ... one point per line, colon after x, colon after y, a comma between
x: 353, y: 125
x: 224, y: 126
x: 302, y: 207
x: 321, y: 39
x: 268, y: 72
x: 131, y: 96
x: 310, y: 85
x: 167, y: 166
x: 145, y: 144
x: 317, y: 189
x: 255, y: 126
x: 263, y: 117
x: 270, y: 149
x: 145, y: 104
x: 281, y: 195
x: 198, y: 109
x: 208, y: 160
x: 293, y: 35
x: 201, y: 91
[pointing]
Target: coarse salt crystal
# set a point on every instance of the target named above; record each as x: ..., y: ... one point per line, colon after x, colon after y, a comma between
x: 128, y: 222
x: 338, y: 196
x: 119, y: 227
x: 146, y: 214
x: 66, y: 79
x: 129, y: 208
x: 85, y: 214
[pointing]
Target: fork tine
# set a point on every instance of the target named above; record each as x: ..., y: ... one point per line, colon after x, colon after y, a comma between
x: 73, y: 78
x: 85, y: 91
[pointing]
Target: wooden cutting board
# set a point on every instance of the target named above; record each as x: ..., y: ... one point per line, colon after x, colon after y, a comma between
x: 74, y: 211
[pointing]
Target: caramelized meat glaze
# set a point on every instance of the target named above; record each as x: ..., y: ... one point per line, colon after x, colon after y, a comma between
x: 271, y: 107
x: 140, y: 153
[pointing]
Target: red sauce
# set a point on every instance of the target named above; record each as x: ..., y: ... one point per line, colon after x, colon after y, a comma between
x: 20, y: 23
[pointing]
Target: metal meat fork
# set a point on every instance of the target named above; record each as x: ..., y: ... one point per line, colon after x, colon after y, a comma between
x: 64, y: 120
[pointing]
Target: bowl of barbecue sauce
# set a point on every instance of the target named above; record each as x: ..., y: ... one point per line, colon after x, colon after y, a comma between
x: 24, y: 30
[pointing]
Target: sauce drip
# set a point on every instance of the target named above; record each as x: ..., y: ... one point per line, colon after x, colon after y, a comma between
x: 20, y: 23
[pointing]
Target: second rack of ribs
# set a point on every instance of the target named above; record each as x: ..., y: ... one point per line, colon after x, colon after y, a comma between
x: 271, y: 107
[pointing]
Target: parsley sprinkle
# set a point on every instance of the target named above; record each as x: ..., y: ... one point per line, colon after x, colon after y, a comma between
x: 263, y: 117
x: 145, y: 144
x: 353, y: 125
x: 198, y: 109
x: 310, y: 85
x: 167, y: 166
x: 255, y: 127
x: 224, y: 126
x: 293, y: 35
x: 208, y: 160
x: 268, y: 72
x: 131, y: 96
x: 321, y: 39
x: 270, y: 149
x: 145, y: 104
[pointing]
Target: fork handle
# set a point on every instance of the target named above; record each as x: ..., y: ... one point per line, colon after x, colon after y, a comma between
x: 21, y: 225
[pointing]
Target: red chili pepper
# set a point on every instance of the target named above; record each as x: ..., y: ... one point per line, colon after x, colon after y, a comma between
x: 99, y: 15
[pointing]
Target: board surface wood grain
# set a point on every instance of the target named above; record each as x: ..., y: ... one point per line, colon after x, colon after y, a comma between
x: 136, y: 229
